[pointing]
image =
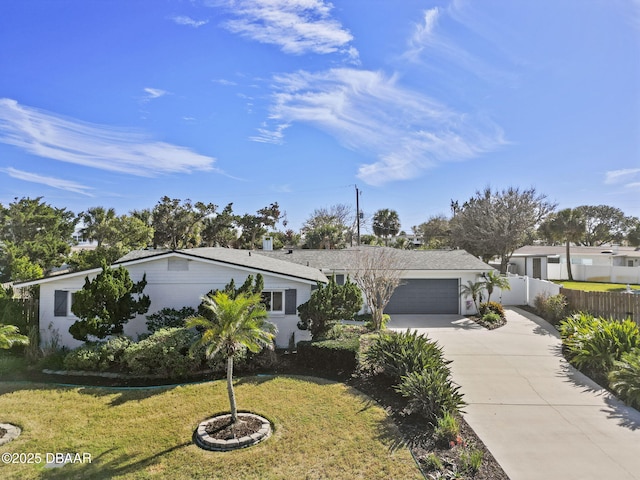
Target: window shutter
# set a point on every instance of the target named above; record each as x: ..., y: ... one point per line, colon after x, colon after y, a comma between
x: 60, y: 303
x: 290, y: 301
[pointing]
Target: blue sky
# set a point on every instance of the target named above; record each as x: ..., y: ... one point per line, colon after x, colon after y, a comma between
x: 117, y: 103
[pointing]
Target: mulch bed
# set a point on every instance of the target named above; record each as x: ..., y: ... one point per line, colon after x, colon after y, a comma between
x: 418, y: 435
x: 488, y: 325
x: 223, y: 429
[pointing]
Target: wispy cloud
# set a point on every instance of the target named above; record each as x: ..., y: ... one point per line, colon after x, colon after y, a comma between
x: 98, y: 146
x: 49, y: 181
x: 188, y: 21
x: 296, y: 26
x: 370, y: 113
x: 626, y: 176
x: 274, y: 135
x: 153, y: 93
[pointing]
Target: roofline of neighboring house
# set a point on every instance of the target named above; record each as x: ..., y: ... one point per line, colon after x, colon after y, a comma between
x: 168, y: 253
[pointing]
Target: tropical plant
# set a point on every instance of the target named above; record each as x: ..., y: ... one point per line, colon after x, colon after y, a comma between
x: 447, y: 430
x: 431, y: 392
x: 329, y: 304
x: 169, y: 318
x: 567, y: 225
x: 474, y: 290
x: 624, y: 378
x: 492, y: 307
x: 10, y: 336
x: 239, y: 324
x: 386, y: 224
x: 492, y: 280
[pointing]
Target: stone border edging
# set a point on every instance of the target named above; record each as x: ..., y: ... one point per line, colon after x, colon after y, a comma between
x: 13, y: 432
x: 206, y: 442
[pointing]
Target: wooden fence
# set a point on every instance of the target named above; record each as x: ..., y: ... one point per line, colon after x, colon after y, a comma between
x: 605, y: 304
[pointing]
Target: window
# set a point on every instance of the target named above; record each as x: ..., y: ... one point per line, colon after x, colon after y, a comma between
x: 60, y: 303
x: 340, y: 279
x: 273, y: 301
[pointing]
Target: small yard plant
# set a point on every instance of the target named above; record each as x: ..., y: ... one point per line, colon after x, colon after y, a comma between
x: 552, y: 308
x: 624, y: 378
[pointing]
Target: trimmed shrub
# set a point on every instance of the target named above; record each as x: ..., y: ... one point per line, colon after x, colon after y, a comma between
x: 336, y: 356
x: 431, y: 392
x: 98, y: 356
x: 398, y: 354
x: 624, y: 378
x: 492, y: 317
x: 169, y: 318
x: 165, y: 353
x: 552, y: 308
x: 491, y: 307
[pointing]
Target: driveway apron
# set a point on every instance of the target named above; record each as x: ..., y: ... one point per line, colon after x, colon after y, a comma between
x: 539, y: 417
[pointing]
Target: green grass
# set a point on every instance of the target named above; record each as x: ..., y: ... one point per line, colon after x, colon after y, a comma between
x: 323, y: 429
x: 595, y: 286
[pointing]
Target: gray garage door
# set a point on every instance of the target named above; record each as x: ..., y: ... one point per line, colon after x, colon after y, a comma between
x: 425, y: 296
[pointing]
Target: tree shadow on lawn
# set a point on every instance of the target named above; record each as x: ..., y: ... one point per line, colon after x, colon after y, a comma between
x: 108, y: 464
x: 125, y: 394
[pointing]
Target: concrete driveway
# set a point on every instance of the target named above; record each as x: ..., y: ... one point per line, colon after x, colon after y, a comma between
x: 539, y: 417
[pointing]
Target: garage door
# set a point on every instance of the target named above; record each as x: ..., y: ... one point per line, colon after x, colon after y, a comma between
x: 425, y: 296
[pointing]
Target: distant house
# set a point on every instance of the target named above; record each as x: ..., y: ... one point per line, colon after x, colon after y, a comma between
x: 615, y: 264
x: 179, y: 278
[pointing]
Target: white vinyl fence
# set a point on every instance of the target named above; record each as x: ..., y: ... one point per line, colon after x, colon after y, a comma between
x: 524, y: 290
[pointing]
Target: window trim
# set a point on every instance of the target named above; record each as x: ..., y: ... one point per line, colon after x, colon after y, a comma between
x: 283, y: 300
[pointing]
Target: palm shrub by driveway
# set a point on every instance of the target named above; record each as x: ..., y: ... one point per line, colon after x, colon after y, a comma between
x: 238, y: 324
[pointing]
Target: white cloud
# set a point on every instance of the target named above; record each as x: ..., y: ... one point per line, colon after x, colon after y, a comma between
x: 49, y: 181
x: 297, y: 26
x: 624, y: 175
x: 424, y: 33
x: 153, y: 93
x: 368, y: 112
x: 188, y: 21
x: 274, y: 135
x: 98, y: 146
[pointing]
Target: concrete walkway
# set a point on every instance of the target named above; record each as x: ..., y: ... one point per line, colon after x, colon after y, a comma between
x: 539, y: 417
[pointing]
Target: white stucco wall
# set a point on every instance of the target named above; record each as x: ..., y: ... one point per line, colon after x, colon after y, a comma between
x: 173, y: 289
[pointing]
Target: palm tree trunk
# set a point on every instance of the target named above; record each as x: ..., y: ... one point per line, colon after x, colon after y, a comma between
x: 232, y: 395
x: 569, y: 272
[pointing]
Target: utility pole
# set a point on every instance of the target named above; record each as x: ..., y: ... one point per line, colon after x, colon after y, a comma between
x: 358, y: 214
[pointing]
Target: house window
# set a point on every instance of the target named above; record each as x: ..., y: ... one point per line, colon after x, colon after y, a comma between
x: 273, y: 301
x: 60, y: 303
x: 340, y: 279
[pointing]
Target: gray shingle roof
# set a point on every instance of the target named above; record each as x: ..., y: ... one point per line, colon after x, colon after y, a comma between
x: 336, y: 260
x: 244, y: 258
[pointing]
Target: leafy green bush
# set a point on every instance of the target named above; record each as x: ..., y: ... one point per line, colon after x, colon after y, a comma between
x: 624, y: 378
x: 98, y: 356
x: 165, y: 353
x: 594, y: 344
x: 552, y: 308
x: 398, y: 354
x: 336, y: 356
x: 169, y: 318
x: 431, y: 392
x: 367, y: 318
x: 491, y: 307
x: 491, y: 317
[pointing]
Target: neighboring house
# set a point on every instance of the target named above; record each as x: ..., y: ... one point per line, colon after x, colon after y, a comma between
x: 615, y: 264
x: 176, y: 279
x: 430, y: 283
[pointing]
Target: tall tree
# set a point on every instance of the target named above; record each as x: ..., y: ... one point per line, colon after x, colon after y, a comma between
x: 569, y: 226
x: 106, y: 303
x: 177, y: 224
x: 218, y: 229
x: 34, y: 229
x: 386, y: 224
x: 255, y: 226
x: 328, y: 228
x: 238, y: 323
x: 603, y: 224
x: 435, y: 232
x: 497, y: 223
x: 98, y: 224
x: 378, y: 272
x: 633, y: 235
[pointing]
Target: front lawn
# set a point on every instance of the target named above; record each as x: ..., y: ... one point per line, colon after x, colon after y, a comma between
x: 595, y: 286
x: 323, y: 429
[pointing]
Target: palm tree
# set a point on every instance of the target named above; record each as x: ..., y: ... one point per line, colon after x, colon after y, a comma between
x: 473, y: 290
x: 10, y: 336
x: 568, y: 225
x: 98, y: 224
x: 386, y: 223
x: 239, y: 323
x: 493, y: 280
